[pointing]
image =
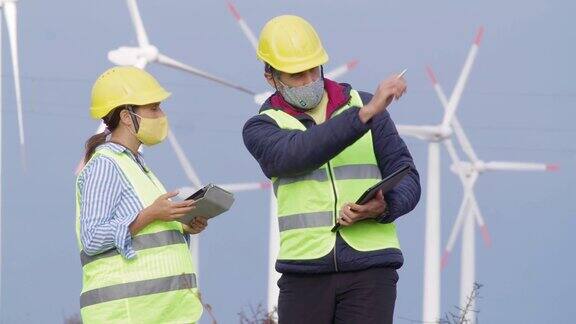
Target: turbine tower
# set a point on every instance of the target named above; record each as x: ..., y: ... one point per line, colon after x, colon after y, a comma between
x: 10, y: 15
x: 469, y: 214
x: 435, y: 135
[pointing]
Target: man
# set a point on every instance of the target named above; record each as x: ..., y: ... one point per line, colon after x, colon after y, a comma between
x: 323, y: 144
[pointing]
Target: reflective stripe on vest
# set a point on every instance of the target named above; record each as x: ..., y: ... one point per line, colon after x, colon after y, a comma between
x: 354, y: 171
x: 140, y: 242
x: 308, y: 204
x: 307, y: 220
x: 138, y: 288
x: 357, y: 171
x: 158, y: 285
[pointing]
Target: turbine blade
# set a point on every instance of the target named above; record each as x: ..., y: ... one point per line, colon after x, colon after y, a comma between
x: 247, y: 186
x: 456, y: 229
x: 341, y: 70
x: 261, y: 97
x: 184, y: 162
x: 481, y: 223
x: 243, y: 25
x: 138, y: 24
x: 471, y: 196
x: 10, y: 14
x: 519, y: 166
x: 165, y: 60
x: 421, y: 132
x: 462, y: 79
x: 456, y: 126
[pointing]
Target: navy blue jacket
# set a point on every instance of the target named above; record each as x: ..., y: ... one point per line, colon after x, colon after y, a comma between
x: 287, y: 153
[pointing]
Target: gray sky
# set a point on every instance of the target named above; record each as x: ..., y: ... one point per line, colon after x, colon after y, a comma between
x: 518, y: 105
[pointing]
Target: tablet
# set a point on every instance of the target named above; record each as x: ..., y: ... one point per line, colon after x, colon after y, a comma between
x: 211, y: 201
x: 385, y: 185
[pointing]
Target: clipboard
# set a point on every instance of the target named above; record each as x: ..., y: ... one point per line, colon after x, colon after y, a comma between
x: 211, y: 201
x: 385, y: 185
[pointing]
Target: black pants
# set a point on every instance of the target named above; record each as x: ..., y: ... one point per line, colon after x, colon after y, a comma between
x: 365, y: 297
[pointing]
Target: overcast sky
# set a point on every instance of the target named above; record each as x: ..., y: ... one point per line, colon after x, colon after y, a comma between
x: 518, y: 106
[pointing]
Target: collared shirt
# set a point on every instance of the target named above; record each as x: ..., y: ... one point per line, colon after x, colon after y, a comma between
x: 318, y: 113
x: 108, y: 204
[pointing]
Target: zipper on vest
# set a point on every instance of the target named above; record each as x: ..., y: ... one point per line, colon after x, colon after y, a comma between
x: 335, y: 210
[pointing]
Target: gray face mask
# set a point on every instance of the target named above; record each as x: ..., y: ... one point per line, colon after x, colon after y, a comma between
x: 305, y: 97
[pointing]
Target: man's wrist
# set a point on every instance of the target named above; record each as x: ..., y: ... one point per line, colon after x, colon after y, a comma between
x: 365, y: 113
x: 382, y: 218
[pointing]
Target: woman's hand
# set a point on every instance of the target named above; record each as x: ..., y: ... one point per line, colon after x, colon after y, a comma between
x: 161, y: 209
x: 166, y: 210
x: 196, y: 226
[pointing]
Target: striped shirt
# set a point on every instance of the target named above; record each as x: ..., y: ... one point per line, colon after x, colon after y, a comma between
x: 108, y: 204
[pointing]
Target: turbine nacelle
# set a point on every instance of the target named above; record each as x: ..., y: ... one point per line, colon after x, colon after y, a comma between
x: 430, y: 133
x: 126, y: 55
x: 2, y: 2
x: 468, y: 168
x: 444, y: 132
x: 260, y: 98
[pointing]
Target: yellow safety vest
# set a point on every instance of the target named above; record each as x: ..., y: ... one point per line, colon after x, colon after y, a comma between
x: 158, y: 285
x: 308, y: 204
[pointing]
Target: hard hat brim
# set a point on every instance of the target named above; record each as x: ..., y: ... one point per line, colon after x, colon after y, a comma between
x: 298, y: 66
x: 140, y: 100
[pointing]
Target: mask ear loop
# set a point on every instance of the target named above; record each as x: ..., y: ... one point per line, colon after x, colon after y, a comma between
x: 273, y: 72
x: 134, y: 119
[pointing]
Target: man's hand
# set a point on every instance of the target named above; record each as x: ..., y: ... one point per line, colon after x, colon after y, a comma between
x: 352, y: 213
x: 196, y: 226
x: 392, y: 88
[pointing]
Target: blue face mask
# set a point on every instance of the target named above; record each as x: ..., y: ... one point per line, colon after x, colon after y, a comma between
x: 304, y: 97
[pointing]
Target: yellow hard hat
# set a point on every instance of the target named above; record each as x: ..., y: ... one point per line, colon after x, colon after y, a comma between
x: 124, y: 85
x: 290, y: 44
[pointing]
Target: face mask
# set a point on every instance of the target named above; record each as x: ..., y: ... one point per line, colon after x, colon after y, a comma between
x: 305, y: 97
x: 152, y: 130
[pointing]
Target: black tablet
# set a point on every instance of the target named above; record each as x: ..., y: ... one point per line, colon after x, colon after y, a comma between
x: 385, y: 185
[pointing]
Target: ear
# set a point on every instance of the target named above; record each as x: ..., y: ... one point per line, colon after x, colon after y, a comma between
x: 269, y: 79
x: 125, y: 118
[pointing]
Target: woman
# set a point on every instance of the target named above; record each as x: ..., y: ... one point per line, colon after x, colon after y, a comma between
x: 135, y: 259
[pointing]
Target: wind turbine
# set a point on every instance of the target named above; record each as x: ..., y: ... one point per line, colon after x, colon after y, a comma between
x: 10, y: 14
x: 469, y: 213
x: 435, y: 135
x: 143, y: 54
x: 274, y: 235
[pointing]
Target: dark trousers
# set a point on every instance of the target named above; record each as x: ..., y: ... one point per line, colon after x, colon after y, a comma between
x: 365, y: 297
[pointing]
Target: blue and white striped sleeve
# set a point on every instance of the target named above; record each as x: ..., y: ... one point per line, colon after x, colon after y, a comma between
x: 105, y: 216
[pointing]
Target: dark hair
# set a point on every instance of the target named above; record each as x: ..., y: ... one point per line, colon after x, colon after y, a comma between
x: 111, y: 121
x: 276, y: 73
